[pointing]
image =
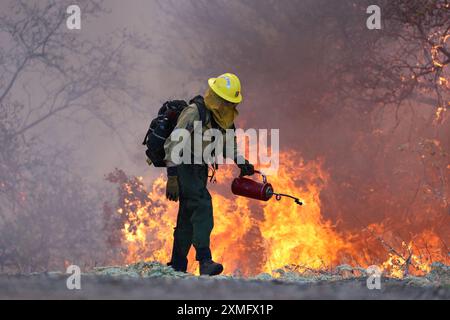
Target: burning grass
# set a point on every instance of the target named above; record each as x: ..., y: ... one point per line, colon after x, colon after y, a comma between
x: 252, y: 237
x: 439, y: 276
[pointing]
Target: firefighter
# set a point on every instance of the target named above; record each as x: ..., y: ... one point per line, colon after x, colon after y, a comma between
x: 187, y: 182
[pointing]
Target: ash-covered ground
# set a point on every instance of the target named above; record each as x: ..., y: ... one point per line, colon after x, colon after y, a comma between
x: 155, y: 281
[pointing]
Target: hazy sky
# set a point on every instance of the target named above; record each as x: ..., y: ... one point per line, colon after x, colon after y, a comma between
x: 97, y: 150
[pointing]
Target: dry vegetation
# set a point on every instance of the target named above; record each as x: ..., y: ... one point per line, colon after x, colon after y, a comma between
x: 374, y: 106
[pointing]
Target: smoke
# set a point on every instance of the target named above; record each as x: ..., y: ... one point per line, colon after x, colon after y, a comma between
x: 295, y: 60
x: 305, y: 67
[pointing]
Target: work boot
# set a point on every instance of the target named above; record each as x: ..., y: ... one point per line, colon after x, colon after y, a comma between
x: 180, y: 267
x: 210, y: 268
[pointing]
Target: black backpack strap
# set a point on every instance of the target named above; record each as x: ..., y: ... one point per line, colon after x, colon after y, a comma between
x: 202, y: 112
x: 145, y: 139
x: 205, y: 118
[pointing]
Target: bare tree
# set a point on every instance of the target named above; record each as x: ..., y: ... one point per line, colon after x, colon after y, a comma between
x: 47, y: 214
x: 407, y: 59
x: 68, y: 69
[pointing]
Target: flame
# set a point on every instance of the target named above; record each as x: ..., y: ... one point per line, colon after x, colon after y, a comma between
x: 440, y: 114
x: 252, y: 236
x: 436, y: 49
x: 443, y: 82
x: 299, y: 235
x: 416, y: 257
x: 148, y: 229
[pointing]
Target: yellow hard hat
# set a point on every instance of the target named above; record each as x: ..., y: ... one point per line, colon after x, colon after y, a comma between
x: 227, y: 86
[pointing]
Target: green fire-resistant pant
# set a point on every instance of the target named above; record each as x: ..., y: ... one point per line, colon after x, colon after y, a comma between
x: 195, y: 215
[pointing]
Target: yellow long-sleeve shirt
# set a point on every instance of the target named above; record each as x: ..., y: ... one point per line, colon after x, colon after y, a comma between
x: 189, y: 120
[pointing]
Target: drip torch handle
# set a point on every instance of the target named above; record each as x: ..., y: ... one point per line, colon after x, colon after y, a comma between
x: 262, y: 175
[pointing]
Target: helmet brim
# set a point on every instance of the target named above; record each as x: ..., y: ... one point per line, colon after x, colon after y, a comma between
x: 237, y: 99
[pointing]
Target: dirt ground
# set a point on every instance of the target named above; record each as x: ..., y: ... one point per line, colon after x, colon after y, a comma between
x: 53, y: 286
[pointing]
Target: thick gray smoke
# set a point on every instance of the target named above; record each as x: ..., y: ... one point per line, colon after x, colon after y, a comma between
x: 77, y: 104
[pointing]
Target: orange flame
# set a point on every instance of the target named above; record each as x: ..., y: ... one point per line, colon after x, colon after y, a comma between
x: 251, y: 236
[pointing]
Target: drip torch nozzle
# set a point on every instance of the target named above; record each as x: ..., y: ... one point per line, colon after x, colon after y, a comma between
x: 261, y: 191
x: 279, y: 195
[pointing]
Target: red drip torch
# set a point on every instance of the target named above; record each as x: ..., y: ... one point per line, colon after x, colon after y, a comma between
x: 260, y: 191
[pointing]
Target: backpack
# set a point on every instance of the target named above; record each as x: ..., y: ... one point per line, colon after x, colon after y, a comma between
x: 162, y: 126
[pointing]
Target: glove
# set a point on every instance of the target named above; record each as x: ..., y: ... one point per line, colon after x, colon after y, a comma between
x: 247, y: 169
x: 172, y: 189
